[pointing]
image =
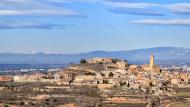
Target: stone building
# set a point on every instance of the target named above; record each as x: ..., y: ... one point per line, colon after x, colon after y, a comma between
x: 100, y: 60
x: 56, y: 77
x: 119, y: 65
x: 5, y: 79
x: 175, y: 81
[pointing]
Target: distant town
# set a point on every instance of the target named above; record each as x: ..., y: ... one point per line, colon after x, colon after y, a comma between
x: 7, y: 69
x: 97, y: 82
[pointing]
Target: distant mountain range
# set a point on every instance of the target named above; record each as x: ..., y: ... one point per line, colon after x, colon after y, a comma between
x: 163, y: 55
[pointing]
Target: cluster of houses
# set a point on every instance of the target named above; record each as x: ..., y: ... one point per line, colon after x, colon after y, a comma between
x: 115, y: 72
x: 120, y: 73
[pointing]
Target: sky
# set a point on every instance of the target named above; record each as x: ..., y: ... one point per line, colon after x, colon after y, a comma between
x: 77, y: 26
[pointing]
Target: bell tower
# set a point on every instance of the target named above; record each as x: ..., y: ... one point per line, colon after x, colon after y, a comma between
x: 152, y: 64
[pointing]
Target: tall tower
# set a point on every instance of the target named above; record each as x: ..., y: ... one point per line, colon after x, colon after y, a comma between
x: 152, y: 65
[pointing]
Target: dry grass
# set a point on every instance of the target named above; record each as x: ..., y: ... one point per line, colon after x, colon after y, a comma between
x: 180, y: 105
x: 183, y: 94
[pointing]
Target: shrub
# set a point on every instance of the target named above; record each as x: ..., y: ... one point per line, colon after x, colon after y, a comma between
x: 90, y: 73
x: 102, y: 74
x: 150, y: 84
x: 114, y: 61
x: 22, y: 103
x: 105, y: 81
x: 111, y: 74
x: 83, y: 61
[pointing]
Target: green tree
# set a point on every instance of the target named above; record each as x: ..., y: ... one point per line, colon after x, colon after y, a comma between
x: 111, y: 74
x: 22, y: 103
x: 105, y: 81
x: 83, y: 61
x: 128, y: 85
x: 114, y: 61
x: 102, y: 74
x: 150, y: 84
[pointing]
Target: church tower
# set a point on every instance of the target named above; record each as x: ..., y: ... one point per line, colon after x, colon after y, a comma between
x: 152, y: 65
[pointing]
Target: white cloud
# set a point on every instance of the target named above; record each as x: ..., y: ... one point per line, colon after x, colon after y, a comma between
x: 9, y: 12
x: 16, y: 0
x: 177, y: 8
x: 47, y: 7
x: 71, y: 1
x: 134, y: 8
x: 33, y: 7
x: 130, y: 5
x: 29, y: 25
x: 180, y: 8
x: 180, y: 22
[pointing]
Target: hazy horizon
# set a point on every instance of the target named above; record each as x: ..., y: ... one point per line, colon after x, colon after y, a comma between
x: 89, y: 51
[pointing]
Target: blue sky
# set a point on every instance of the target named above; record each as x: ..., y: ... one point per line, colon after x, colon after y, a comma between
x: 75, y: 26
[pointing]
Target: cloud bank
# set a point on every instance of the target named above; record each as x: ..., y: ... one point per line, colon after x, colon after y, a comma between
x: 179, y: 22
x: 128, y: 7
x: 180, y: 8
x: 30, y: 25
x: 138, y: 7
x: 33, y: 8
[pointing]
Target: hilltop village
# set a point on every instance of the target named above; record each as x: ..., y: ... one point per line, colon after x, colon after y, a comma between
x: 98, y: 82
